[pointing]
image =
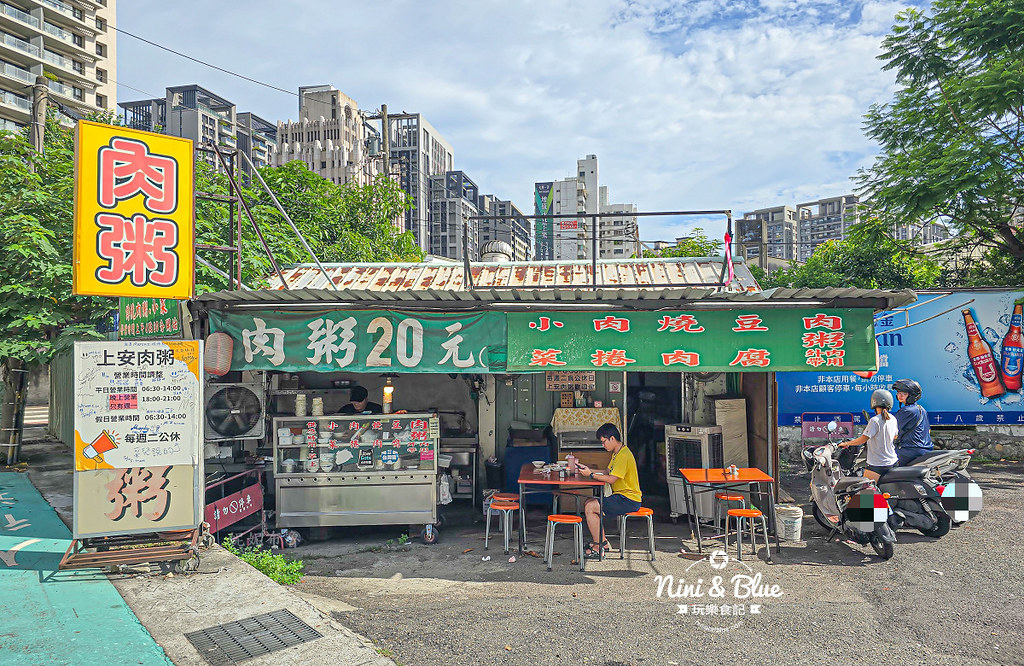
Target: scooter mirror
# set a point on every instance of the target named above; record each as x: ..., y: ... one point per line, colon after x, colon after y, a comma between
x: 832, y: 426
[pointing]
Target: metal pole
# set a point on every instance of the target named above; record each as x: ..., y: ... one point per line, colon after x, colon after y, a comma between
x: 385, y: 139
x: 252, y: 220
x: 40, y: 93
x: 288, y: 219
x: 593, y: 249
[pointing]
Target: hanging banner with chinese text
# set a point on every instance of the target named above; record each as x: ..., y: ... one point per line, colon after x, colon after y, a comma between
x: 137, y: 404
x: 740, y: 340
x: 148, y: 318
x: 971, y: 372
x: 134, y: 213
x: 365, y: 341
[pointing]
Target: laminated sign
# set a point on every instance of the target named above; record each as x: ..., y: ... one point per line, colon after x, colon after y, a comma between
x: 134, y: 213
x: 138, y: 406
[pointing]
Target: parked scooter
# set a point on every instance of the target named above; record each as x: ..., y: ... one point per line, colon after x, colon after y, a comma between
x: 915, y: 494
x: 847, y: 505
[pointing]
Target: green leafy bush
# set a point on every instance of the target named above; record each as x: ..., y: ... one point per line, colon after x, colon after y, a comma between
x: 276, y: 567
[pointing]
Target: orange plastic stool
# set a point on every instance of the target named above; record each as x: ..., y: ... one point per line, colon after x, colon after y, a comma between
x: 726, y: 498
x: 506, y: 509
x: 556, y: 519
x: 642, y: 512
x: 742, y: 516
x: 501, y: 497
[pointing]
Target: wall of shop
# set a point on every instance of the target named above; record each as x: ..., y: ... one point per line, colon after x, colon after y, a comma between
x: 992, y: 442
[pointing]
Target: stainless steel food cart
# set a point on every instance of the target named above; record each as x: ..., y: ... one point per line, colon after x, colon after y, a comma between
x: 339, y: 469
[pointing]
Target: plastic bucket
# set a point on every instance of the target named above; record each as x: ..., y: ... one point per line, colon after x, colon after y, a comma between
x: 791, y: 519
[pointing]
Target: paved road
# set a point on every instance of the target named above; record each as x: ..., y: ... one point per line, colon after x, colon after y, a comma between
x: 958, y: 600
x: 51, y: 617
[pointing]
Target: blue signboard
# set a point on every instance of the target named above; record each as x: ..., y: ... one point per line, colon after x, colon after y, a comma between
x: 968, y: 363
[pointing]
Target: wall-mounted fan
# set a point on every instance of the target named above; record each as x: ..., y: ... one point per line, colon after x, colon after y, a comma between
x: 234, y: 411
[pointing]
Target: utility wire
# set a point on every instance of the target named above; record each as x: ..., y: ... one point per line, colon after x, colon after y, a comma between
x: 203, y: 62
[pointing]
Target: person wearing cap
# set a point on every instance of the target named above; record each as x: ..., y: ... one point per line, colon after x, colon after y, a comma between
x: 913, y: 438
x: 360, y: 403
x: 878, y: 435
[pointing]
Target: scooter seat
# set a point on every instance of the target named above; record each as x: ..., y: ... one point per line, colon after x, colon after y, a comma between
x: 904, y: 474
x: 925, y: 457
x: 847, y: 483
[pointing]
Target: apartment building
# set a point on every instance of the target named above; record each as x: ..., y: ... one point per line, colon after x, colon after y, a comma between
x: 331, y: 137
x: 71, y: 42
x: 774, y: 228
x: 514, y: 229
x: 922, y: 234
x: 453, y: 201
x: 418, y: 152
x: 824, y: 220
x: 193, y: 112
x: 572, y: 239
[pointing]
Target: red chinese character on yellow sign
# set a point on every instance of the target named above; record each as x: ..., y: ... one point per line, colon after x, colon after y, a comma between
x: 127, y: 168
x: 679, y: 356
x: 615, y: 323
x: 748, y: 357
x: 615, y: 358
x: 685, y: 323
x: 749, y: 322
x: 820, y: 320
x: 137, y: 248
x: 543, y: 357
x: 136, y: 487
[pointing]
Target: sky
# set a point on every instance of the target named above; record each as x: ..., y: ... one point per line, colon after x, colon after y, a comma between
x: 693, y: 105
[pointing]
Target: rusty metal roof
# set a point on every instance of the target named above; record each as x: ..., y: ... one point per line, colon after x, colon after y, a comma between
x: 628, y: 274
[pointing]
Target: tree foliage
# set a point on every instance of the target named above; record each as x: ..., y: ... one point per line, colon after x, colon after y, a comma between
x: 37, y: 308
x: 696, y: 244
x: 951, y: 138
x: 869, y: 258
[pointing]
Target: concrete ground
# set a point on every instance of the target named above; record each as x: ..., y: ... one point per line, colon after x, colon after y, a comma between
x: 956, y: 600
x: 224, y: 589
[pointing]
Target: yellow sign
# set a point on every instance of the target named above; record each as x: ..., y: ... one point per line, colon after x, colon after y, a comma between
x: 136, y: 500
x: 134, y: 213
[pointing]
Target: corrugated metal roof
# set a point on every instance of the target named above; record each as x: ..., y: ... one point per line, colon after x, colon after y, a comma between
x: 630, y: 273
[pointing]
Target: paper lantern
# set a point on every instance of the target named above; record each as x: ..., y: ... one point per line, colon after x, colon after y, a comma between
x: 217, y: 354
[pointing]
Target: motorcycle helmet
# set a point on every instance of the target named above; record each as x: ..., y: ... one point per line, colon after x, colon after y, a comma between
x: 881, y: 398
x: 910, y: 387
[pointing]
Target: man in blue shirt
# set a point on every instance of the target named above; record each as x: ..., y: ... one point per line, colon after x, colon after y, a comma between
x: 913, y: 438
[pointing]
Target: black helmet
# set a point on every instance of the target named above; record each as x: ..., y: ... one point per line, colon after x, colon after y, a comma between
x: 881, y: 398
x: 910, y: 387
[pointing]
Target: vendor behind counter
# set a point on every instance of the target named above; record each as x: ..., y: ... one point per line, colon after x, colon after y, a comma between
x: 360, y: 403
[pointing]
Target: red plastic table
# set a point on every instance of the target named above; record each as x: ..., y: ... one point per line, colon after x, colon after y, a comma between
x: 716, y: 479
x: 530, y: 476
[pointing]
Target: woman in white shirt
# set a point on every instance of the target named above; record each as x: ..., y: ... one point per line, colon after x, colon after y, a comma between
x: 879, y: 435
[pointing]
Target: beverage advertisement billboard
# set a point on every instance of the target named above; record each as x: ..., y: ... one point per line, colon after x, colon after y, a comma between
x: 968, y: 361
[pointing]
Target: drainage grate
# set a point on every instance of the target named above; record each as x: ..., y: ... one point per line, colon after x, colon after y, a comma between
x: 233, y: 642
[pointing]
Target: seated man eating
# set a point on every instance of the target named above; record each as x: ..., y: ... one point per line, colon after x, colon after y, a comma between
x: 625, y: 481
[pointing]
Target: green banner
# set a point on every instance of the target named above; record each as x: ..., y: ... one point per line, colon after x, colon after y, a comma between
x: 148, y: 318
x: 365, y: 341
x: 741, y: 340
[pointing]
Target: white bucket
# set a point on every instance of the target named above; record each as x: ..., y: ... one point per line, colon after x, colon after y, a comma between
x: 791, y: 519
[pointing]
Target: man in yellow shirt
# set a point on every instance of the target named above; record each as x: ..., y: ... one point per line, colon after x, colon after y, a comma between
x: 622, y: 474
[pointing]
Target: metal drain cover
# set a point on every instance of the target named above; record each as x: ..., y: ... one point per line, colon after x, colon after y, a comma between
x: 234, y: 642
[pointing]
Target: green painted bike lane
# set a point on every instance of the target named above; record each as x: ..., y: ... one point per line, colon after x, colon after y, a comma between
x: 58, y: 617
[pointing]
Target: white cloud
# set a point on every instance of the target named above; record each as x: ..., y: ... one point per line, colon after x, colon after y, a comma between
x: 699, y: 105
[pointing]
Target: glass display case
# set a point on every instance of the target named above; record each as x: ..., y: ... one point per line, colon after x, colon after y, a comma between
x: 340, y: 469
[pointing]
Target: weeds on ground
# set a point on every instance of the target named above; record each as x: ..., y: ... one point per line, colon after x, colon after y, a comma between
x: 276, y: 567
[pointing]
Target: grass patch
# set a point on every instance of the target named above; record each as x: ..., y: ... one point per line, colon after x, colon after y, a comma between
x: 276, y: 567
x: 384, y: 652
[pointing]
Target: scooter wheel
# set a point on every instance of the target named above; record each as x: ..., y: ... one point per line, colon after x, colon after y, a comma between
x: 941, y: 529
x: 882, y: 548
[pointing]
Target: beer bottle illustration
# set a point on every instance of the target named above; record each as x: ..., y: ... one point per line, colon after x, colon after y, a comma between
x: 984, y: 364
x: 1011, y: 355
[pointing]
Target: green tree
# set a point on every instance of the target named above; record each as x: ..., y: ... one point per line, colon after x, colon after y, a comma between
x: 696, y: 244
x: 951, y: 138
x: 869, y: 258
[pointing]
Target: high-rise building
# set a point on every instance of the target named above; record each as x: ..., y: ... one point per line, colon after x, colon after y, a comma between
x: 330, y: 137
x: 825, y: 220
x: 514, y: 229
x: 71, y: 42
x: 418, y: 152
x: 775, y: 228
x: 572, y: 239
x: 922, y: 234
x: 453, y: 201
x: 193, y: 112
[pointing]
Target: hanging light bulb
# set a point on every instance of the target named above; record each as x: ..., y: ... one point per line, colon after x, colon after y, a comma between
x: 389, y: 394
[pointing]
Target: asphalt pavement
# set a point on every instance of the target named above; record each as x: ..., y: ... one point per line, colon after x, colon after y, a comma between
x: 956, y: 600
